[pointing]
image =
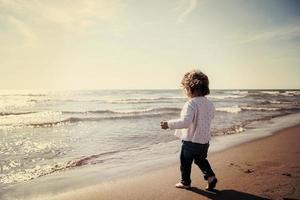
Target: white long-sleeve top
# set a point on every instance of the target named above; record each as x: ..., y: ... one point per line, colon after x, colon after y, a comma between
x: 194, y: 122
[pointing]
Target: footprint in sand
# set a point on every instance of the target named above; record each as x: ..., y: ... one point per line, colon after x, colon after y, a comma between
x: 247, y: 171
x: 286, y: 174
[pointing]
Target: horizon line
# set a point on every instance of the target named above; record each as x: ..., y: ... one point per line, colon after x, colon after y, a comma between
x: 150, y: 89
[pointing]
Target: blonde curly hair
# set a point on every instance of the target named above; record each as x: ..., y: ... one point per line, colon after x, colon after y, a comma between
x: 195, y: 83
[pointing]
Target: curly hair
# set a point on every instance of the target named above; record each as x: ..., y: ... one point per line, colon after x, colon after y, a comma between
x: 196, y: 83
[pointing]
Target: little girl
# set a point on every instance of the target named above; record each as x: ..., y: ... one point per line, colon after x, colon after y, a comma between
x: 193, y: 127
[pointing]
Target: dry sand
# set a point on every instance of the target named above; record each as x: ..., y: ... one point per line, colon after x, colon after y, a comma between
x: 267, y: 168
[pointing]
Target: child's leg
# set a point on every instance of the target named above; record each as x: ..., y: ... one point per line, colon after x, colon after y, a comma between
x: 186, y: 160
x: 202, y: 162
x: 205, y: 167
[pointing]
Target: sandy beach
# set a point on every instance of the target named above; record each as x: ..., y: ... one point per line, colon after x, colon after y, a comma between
x: 96, y: 97
x: 267, y: 168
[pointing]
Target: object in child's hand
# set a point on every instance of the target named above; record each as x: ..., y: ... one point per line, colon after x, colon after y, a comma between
x: 164, y: 124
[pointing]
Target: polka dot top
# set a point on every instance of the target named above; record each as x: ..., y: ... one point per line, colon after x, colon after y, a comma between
x: 194, y: 122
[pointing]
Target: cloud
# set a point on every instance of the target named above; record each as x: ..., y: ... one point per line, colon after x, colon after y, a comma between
x: 185, y: 7
x: 65, y: 13
x: 22, y: 28
x: 278, y: 33
x: 15, y: 33
x: 28, y: 21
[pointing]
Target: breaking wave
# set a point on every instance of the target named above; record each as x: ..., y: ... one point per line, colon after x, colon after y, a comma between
x: 51, y: 118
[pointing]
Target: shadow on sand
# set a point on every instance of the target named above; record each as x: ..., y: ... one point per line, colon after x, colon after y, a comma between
x: 226, y: 194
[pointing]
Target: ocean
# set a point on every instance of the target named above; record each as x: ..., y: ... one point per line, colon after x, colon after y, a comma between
x: 51, y: 133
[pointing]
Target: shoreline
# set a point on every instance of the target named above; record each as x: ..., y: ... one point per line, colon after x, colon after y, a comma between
x: 259, y: 173
x: 116, y: 134
x: 146, y: 180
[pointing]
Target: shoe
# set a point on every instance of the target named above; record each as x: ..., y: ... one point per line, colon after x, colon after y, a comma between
x: 212, y: 183
x: 180, y: 185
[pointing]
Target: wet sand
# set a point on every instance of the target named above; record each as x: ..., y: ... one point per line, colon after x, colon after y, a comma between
x: 267, y: 168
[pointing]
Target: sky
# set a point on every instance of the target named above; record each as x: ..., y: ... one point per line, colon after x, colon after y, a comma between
x: 140, y: 44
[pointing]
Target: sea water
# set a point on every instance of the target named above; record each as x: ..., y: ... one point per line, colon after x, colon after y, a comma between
x: 50, y: 133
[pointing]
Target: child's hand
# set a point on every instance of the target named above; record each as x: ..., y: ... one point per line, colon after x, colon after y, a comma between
x: 164, y: 124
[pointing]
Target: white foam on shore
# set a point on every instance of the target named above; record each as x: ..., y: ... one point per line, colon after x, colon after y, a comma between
x: 262, y: 129
x: 233, y: 109
x: 68, y: 182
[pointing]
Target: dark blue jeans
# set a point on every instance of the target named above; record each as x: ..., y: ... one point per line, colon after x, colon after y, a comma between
x: 194, y: 152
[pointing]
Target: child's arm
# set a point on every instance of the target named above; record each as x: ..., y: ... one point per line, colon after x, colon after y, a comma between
x: 186, y: 117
